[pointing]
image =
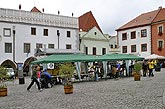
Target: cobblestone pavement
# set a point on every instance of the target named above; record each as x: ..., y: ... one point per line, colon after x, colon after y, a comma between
x: 110, y: 94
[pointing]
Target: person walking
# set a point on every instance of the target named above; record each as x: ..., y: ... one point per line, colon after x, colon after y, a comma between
x: 34, y: 78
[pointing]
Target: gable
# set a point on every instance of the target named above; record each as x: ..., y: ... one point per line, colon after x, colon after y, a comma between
x: 87, y: 21
x: 94, y: 34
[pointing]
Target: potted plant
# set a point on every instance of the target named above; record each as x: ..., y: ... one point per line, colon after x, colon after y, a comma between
x: 66, y: 72
x: 3, y: 76
x: 136, y: 71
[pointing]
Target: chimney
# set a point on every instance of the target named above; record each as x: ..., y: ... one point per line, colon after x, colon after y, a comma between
x: 160, y: 7
x: 42, y: 9
x: 19, y: 6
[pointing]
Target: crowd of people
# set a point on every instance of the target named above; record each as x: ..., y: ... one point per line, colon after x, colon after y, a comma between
x: 118, y: 70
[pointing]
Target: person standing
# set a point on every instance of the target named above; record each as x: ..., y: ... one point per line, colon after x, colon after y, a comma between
x: 144, y: 67
x: 151, y: 67
x: 34, y: 78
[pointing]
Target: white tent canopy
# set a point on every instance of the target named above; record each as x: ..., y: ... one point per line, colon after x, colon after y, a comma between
x: 154, y: 56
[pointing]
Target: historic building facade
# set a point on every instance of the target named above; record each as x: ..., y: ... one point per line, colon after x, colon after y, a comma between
x: 25, y: 35
x: 143, y: 35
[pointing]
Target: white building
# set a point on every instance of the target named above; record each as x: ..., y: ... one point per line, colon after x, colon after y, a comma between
x: 94, y: 42
x: 133, y: 44
x: 21, y: 32
x: 92, y: 39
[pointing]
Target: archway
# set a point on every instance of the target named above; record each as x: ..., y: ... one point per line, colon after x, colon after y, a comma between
x: 10, y: 64
x: 26, y: 65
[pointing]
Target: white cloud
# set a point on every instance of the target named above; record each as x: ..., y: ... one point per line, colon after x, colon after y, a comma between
x: 110, y: 14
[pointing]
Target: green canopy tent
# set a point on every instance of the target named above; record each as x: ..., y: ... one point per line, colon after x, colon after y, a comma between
x: 60, y: 58
x: 116, y: 56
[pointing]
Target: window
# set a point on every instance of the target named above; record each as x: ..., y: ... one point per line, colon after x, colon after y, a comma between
x: 33, y: 31
x: 143, y: 47
x: 144, y: 33
x: 133, y: 35
x: 68, y: 46
x: 94, y: 50
x: 160, y: 30
x: 133, y: 48
x: 8, y: 47
x: 68, y: 34
x: 160, y: 44
x: 50, y: 45
x: 45, y: 32
x: 124, y: 36
x: 111, y: 46
x: 95, y: 33
x: 26, y: 47
x: 103, y: 51
x: 115, y: 46
x: 7, y: 32
x: 38, y: 45
x: 124, y: 49
x: 86, y: 50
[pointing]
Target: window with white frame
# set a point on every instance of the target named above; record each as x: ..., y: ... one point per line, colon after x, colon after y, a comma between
x: 124, y: 36
x: 26, y: 47
x: 68, y: 34
x: 38, y: 45
x: 7, y: 32
x: 160, y: 43
x: 160, y: 29
x: 68, y: 46
x: 33, y: 31
x: 124, y: 49
x: 133, y: 35
x: 45, y: 32
x: 133, y: 48
x: 144, y: 33
x: 143, y: 47
x: 8, y: 47
x: 50, y: 45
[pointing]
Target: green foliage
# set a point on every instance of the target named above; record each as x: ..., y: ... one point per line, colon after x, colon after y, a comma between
x: 66, y: 71
x: 3, y: 75
x: 137, y: 67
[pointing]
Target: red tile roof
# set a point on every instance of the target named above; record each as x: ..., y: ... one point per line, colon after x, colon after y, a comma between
x: 142, y: 20
x: 160, y: 16
x: 87, y: 22
x: 35, y: 10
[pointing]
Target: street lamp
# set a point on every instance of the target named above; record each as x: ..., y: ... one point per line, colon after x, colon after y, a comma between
x: 58, y: 34
x: 14, y: 43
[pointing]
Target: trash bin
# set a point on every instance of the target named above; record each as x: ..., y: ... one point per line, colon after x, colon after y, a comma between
x: 21, y: 80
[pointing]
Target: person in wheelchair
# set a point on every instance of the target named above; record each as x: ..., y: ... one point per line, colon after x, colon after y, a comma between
x: 46, y: 79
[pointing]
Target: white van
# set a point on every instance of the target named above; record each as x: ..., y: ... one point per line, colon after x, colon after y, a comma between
x: 10, y: 72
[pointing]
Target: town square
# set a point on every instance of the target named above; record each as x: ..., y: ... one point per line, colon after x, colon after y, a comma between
x: 82, y: 54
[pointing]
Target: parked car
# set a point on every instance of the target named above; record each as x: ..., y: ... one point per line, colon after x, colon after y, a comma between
x: 10, y: 73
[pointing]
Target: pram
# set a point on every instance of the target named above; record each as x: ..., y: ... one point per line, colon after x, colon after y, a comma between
x: 45, y: 82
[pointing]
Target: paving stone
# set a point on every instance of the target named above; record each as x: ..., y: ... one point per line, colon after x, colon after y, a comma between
x: 110, y: 94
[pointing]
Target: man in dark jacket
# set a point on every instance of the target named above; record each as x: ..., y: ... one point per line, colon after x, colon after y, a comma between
x: 34, y: 78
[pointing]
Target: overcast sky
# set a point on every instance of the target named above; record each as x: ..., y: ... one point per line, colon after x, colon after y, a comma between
x: 110, y: 14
